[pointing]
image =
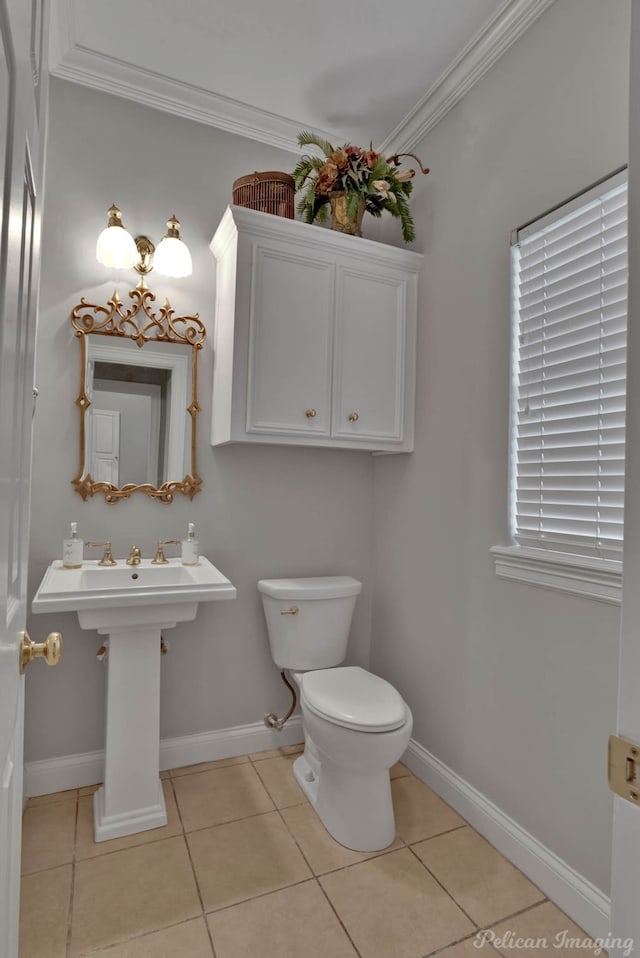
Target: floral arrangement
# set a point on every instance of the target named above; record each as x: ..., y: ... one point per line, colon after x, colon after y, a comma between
x: 367, y: 179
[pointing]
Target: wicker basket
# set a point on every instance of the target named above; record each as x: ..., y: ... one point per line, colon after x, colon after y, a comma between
x: 270, y: 192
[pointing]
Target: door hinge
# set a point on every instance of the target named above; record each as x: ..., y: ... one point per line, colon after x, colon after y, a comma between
x: 624, y: 765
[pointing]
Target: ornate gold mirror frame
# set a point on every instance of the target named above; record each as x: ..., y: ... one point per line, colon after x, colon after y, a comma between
x: 141, y: 324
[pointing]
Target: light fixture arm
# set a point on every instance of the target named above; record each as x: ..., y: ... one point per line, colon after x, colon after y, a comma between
x: 146, y: 249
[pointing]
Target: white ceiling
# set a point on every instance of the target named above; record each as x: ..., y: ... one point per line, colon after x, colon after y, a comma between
x: 355, y: 70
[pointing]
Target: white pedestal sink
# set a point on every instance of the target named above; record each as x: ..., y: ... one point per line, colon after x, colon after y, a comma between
x: 132, y: 605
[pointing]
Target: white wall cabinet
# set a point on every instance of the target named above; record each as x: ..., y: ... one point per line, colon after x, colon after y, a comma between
x: 315, y: 336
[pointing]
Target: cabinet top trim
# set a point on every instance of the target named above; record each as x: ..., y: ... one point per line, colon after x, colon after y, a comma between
x: 237, y: 219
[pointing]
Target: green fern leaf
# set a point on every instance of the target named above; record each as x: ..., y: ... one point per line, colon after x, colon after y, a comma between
x: 306, y: 138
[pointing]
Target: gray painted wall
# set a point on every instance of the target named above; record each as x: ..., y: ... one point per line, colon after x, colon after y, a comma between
x: 262, y: 512
x: 511, y: 686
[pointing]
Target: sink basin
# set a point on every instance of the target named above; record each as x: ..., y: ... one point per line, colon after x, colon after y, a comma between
x: 92, y: 585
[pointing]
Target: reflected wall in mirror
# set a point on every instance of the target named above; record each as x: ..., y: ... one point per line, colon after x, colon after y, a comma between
x: 138, y: 398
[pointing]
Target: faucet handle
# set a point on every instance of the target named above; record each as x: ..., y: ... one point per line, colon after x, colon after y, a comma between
x: 107, y: 558
x: 160, y: 558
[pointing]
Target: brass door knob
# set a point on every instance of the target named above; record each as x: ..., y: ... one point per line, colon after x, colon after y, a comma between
x: 311, y: 414
x: 353, y: 417
x: 50, y: 650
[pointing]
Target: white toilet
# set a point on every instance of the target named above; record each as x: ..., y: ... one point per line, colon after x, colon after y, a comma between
x: 356, y: 725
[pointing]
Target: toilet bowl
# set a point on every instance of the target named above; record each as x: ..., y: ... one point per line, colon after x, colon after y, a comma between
x: 356, y: 725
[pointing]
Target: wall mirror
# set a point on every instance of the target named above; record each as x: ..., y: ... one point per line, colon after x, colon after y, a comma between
x: 138, y: 398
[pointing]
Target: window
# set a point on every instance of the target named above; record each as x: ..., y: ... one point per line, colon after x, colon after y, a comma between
x: 569, y: 282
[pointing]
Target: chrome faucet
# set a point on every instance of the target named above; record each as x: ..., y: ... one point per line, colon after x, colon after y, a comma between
x: 160, y: 557
x: 135, y: 556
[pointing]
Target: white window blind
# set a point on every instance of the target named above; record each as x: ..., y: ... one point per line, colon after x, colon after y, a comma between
x: 569, y: 376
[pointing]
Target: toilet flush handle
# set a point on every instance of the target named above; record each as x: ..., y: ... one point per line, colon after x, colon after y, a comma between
x: 292, y: 611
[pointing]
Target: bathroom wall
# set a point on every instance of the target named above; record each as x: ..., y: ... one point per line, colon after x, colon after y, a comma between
x: 262, y: 512
x: 513, y: 687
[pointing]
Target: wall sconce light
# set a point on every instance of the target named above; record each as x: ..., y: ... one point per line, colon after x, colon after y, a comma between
x: 117, y: 248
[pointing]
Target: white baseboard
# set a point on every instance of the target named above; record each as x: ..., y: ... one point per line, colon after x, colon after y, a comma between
x: 76, y: 771
x: 582, y: 901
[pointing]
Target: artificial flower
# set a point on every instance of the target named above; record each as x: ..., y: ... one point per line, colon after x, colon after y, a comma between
x: 360, y: 174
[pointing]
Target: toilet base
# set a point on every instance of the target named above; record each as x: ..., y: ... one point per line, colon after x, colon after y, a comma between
x: 356, y: 809
x: 306, y: 778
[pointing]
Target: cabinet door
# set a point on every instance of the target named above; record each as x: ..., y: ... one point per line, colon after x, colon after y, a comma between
x: 369, y: 355
x: 290, y: 348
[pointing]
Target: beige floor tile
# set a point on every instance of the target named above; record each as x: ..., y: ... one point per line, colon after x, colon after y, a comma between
x: 277, y: 752
x: 547, y: 926
x: 44, y: 913
x: 390, y: 905
x: 132, y: 892
x: 419, y: 812
x: 71, y: 794
x: 187, y: 940
x: 477, y: 876
x: 220, y: 795
x: 240, y: 860
x: 207, y: 766
x: 87, y: 847
x: 323, y: 852
x: 278, y: 779
x: 399, y: 771
x: 48, y: 833
x: 292, y: 923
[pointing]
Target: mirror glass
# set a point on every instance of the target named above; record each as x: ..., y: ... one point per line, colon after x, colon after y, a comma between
x: 138, y: 399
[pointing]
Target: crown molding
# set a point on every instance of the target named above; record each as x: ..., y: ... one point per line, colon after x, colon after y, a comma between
x: 508, y: 24
x: 71, y: 61
x: 61, y: 32
x: 92, y: 69
x: 238, y: 219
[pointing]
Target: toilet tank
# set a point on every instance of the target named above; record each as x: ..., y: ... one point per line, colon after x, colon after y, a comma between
x: 309, y: 619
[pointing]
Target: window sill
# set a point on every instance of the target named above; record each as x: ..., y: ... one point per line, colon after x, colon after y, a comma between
x: 599, y: 579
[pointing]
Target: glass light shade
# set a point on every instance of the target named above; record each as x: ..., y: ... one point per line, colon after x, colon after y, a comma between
x: 172, y: 258
x: 116, y: 248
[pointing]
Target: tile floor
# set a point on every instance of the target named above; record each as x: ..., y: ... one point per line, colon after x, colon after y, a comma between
x: 244, y: 869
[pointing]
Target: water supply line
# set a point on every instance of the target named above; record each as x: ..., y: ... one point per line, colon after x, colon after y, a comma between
x: 271, y: 720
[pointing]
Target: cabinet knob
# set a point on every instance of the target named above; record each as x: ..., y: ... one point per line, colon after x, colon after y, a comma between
x: 353, y: 417
x: 311, y: 414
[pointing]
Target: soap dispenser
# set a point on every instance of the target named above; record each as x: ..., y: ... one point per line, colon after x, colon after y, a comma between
x: 190, y: 547
x: 72, y: 549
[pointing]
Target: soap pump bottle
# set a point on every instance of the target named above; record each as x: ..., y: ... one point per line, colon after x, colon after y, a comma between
x: 190, y: 547
x: 72, y: 549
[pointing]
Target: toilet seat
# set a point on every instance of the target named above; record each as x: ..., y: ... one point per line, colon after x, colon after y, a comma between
x: 353, y: 698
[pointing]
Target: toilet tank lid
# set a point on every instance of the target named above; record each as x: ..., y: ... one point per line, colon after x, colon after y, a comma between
x: 314, y: 587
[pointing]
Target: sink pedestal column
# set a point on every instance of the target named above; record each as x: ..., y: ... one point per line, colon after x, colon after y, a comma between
x: 131, y: 798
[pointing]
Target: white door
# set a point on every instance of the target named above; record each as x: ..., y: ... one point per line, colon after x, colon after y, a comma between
x: 104, y: 445
x: 625, y: 890
x: 22, y: 116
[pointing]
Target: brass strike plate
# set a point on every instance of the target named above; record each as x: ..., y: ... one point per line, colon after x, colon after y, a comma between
x: 624, y: 768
